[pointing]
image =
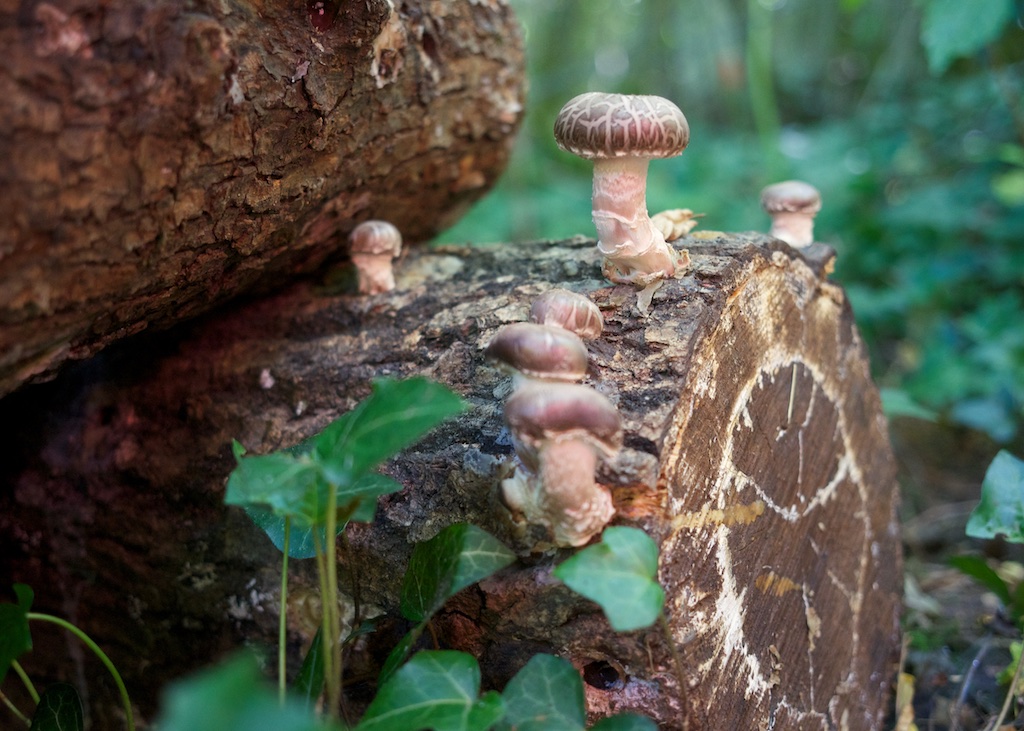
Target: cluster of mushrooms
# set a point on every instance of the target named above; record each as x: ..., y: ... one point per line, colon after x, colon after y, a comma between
x: 621, y: 134
x: 561, y: 428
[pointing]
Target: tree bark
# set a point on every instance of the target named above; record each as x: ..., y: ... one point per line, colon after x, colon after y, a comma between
x: 160, y: 157
x: 755, y: 454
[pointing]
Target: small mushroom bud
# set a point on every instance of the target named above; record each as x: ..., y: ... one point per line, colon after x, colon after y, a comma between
x: 568, y: 310
x: 792, y: 205
x: 372, y: 246
x: 560, y: 431
x: 539, y: 351
x: 621, y: 133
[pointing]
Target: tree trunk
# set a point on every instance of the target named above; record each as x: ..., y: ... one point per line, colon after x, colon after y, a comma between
x: 755, y: 454
x: 160, y: 157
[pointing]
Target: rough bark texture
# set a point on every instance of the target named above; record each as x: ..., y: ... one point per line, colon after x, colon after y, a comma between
x: 159, y: 157
x: 756, y: 454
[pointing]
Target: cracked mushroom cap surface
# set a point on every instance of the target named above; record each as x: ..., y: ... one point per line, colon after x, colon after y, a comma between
x: 375, y: 238
x: 598, y: 126
x: 791, y: 196
x: 543, y: 412
x: 569, y: 310
x: 540, y: 351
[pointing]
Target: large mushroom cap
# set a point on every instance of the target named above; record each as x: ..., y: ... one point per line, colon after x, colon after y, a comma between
x: 542, y: 412
x: 540, y: 351
x: 791, y: 196
x: 597, y: 126
x: 375, y: 238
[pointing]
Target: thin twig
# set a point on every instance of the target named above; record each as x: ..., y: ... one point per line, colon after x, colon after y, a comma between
x: 1010, y: 694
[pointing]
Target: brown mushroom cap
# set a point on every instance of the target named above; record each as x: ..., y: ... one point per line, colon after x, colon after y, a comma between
x: 569, y: 310
x: 791, y: 196
x: 597, y: 126
x: 375, y: 238
x: 539, y: 351
x: 541, y: 412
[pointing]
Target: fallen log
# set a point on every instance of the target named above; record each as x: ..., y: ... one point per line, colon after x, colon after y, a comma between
x: 161, y: 157
x: 755, y: 453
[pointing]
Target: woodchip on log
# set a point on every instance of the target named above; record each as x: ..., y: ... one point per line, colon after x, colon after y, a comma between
x: 159, y: 157
x: 755, y: 453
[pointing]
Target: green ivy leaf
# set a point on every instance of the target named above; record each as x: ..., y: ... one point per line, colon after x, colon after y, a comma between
x: 59, y: 709
x: 620, y: 574
x: 546, y: 695
x: 300, y: 543
x: 360, y: 498
x: 458, y: 556
x: 287, y: 485
x: 309, y: 683
x: 434, y: 690
x: 396, y: 415
x: 232, y: 697
x: 15, y: 638
x: 398, y: 653
x: 951, y: 29
x: 976, y: 568
x: 1001, y: 509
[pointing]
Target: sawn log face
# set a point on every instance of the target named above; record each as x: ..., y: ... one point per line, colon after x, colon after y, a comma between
x: 756, y: 454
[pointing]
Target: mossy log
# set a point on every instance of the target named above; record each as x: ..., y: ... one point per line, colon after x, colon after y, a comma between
x: 159, y: 156
x: 756, y: 455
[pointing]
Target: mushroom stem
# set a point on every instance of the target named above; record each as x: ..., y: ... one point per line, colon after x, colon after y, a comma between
x: 795, y: 228
x: 576, y: 507
x: 375, y: 273
x: 635, y: 250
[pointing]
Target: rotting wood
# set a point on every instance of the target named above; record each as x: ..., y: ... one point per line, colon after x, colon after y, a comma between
x: 755, y: 453
x: 159, y: 157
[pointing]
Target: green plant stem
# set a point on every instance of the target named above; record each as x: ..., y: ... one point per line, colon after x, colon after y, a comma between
x: 677, y: 661
x: 14, y: 709
x: 282, y: 623
x: 334, y: 638
x: 1010, y: 694
x: 125, y: 701
x: 26, y: 681
x: 325, y: 620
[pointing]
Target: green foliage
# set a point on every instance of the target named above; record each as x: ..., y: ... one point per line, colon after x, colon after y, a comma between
x: 458, y: 556
x: 15, y: 638
x: 59, y: 709
x: 922, y: 177
x: 434, y: 690
x: 309, y: 682
x: 232, y: 697
x: 620, y: 574
x: 547, y: 695
x: 952, y: 28
x: 1001, y: 509
x: 295, y: 484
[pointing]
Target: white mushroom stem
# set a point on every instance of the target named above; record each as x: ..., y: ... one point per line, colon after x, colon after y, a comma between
x: 563, y: 495
x: 375, y: 272
x: 634, y: 248
x: 793, y: 227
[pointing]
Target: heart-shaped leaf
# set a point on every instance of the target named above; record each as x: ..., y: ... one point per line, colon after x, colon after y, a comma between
x: 15, y: 638
x: 434, y: 690
x: 620, y: 574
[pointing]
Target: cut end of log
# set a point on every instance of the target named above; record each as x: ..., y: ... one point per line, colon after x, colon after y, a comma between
x: 755, y: 452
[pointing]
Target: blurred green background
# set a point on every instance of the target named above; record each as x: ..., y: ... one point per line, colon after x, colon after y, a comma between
x: 906, y: 114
